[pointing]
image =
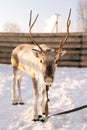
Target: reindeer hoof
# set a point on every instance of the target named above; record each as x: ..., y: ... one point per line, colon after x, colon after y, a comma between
x: 41, y: 118
x: 21, y: 103
x: 14, y: 103
x: 35, y: 120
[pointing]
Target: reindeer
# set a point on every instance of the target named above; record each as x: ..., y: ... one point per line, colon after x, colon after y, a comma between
x: 40, y: 62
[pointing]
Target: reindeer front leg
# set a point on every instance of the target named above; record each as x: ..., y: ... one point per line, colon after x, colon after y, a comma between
x: 43, y: 102
x: 35, y: 111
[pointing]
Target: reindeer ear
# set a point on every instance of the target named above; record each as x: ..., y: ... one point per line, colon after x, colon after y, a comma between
x: 36, y: 53
x: 62, y: 52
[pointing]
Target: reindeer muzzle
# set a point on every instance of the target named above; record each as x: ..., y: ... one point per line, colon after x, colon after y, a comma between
x: 48, y: 80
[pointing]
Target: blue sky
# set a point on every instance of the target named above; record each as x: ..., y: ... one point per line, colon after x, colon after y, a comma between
x: 17, y: 11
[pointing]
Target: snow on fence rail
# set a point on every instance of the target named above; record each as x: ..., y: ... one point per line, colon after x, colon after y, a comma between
x: 76, y: 46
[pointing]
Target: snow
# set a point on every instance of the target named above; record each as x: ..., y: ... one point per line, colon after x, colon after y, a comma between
x: 68, y: 91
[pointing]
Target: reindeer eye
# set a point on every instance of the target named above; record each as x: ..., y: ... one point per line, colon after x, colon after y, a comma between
x: 56, y: 62
x: 40, y: 61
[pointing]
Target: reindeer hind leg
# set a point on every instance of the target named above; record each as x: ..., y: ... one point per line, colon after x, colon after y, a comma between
x: 20, y: 101
x: 14, y: 98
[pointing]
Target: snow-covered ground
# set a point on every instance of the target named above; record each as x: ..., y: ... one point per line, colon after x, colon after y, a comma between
x: 68, y: 91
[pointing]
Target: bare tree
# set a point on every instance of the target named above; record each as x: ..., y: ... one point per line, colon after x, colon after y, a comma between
x: 82, y: 15
x: 11, y: 27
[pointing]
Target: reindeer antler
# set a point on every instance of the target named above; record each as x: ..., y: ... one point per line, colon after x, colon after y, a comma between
x: 67, y: 34
x: 31, y: 26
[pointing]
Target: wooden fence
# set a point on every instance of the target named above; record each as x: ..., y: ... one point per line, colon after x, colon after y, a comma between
x: 76, y: 46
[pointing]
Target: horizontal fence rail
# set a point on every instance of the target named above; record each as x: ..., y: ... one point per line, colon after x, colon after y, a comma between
x: 76, y: 46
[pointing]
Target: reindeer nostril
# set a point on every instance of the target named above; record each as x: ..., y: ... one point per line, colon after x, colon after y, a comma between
x: 44, y: 78
x: 52, y: 78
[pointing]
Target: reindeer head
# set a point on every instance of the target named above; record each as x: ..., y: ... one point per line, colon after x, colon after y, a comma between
x: 48, y: 58
x: 48, y: 62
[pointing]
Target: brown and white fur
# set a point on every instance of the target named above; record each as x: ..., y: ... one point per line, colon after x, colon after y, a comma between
x: 41, y: 68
